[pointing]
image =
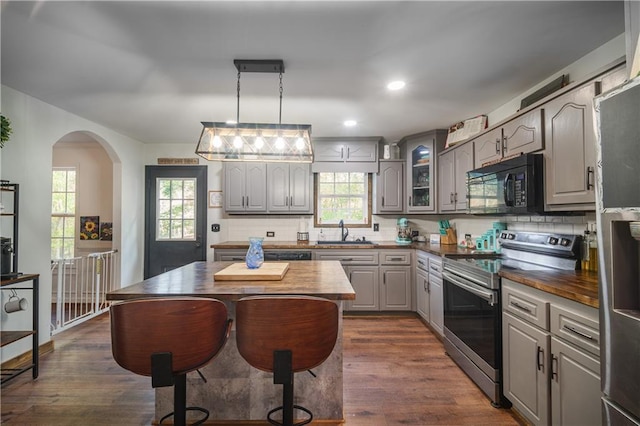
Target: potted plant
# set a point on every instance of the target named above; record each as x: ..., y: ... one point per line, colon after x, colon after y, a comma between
x: 5, y: 130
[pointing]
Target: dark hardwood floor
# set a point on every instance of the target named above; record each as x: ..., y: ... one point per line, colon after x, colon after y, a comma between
x: 395, y: 373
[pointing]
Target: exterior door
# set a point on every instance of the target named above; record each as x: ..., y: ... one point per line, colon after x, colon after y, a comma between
x: 175, y: 217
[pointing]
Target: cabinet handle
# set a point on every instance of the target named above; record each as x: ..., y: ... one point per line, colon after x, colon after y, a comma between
x: 497, y: 145
x: 347, y: 259
x: 421, y: 262
x: 424, y: 285
x: 589, y: 178
x: 579, y: 333
x: 342, y: 153
x: 410, y: 201
x: 247, y: 201
x: 429, y: 287
x: 237, y: 258
x: 538, y: 360
x: 451, y: 198
x: 504, y: 143
x: 554, y: 367
x: 384, y: 278
x: 455, y: 197
x: 383, y: 201
x: 522, y: 308
x: 433, y: 268
x: 395, y: 259
x: 243, y: 201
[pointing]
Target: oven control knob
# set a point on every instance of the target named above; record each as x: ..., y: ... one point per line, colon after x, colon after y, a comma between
x: 552, y: 240
x: 565, y: 242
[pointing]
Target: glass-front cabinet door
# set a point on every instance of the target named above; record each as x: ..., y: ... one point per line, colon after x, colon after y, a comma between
x: 420, y: 169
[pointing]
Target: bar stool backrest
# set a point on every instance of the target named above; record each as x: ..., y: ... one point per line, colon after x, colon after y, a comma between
x: 307, y: 326
x: 192, y: 329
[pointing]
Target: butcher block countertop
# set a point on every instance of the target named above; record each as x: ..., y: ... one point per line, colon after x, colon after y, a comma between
x: 307, y: 277
x: 439, y: 250
x: 579, y: 286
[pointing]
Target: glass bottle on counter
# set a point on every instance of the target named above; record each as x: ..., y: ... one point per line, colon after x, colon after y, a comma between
x: 585, y: 251
x: 593, y: 251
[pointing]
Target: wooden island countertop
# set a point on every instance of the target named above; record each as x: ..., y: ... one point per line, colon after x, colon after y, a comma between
x: 308, y: 277
x: 236, y: 393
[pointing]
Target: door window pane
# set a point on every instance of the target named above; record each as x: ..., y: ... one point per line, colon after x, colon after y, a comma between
x: 176, y: 207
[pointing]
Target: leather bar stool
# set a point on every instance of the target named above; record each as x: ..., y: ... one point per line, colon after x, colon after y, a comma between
x: 166, y: 339
x: 285, y: 335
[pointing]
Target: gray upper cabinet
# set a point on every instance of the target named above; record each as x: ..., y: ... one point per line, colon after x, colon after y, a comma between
x: 523, y: 134
x: 345, y: 150
x: 453, y: 166
x: 389, y: 188
x: 245, y: 187
x: 571, y: 149
x: 421, y: 158
x: 289, y: 188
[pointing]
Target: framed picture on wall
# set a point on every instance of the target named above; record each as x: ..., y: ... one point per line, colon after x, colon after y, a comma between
x: 89, y: 227
x: 215, y: 199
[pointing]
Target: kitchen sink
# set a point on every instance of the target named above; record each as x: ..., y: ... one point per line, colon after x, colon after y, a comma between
x: 349, y: 243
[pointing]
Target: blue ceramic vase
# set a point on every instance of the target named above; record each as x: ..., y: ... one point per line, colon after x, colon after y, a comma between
x: 255, y: 254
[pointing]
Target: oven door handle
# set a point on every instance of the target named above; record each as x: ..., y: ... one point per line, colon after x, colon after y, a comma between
x: 466, y: 277
x: 487, y: 295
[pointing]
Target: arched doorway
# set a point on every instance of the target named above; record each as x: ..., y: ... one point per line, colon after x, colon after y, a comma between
x: 84, y: 247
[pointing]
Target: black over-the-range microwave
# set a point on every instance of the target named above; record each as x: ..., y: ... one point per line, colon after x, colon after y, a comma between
x: 513, y: 186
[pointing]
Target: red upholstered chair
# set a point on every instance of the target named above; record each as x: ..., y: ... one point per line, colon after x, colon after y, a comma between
x: 285, y: 335
x: 166, y: 339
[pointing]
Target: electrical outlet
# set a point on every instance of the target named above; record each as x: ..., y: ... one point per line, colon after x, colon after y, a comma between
x: 271, y: 234
x: 215, y: 227
x: 376, y: 227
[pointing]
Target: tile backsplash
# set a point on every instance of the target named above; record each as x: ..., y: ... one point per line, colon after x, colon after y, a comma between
x: 240, y: 228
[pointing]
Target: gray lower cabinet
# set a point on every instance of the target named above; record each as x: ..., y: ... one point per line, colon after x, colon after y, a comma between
x: 381, y: 278
x: 550, y: 357
x: 289, y: 188
x: 395, y: 289
x: 429, y: 293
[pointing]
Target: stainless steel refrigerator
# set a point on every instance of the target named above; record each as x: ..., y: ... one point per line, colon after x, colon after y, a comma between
x: 618, y: 221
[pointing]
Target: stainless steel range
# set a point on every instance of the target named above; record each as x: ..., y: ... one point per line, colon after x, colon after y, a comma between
x: 472, y: 306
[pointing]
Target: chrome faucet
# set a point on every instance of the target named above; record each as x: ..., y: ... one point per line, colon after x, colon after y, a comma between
x: 342, y: 229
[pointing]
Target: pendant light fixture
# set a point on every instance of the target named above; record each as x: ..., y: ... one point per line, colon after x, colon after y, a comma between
x: 221, y: 141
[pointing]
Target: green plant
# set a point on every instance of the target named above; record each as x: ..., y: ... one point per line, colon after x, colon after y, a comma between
x: 5, y: 130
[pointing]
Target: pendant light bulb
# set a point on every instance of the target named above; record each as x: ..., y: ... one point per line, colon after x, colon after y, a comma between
x: 259, y: 142
x: 217, y: 142
x: 237, y: 142
x: 280, y: 143
x: 300, y: 143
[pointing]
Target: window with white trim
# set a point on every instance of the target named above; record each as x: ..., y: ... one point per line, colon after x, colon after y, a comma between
x: 343, y: 196
x: 63, y: 212
x: 176, y: 209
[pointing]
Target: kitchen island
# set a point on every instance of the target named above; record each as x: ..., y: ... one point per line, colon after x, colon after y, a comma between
x: 235, y: 392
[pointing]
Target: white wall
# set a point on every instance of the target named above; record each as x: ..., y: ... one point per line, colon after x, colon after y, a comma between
x: 94, y: 185
x: 27, y: 159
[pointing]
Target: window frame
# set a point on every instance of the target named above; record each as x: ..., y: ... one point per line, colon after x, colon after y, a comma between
x: 369, y: 195
x: 65, y: 216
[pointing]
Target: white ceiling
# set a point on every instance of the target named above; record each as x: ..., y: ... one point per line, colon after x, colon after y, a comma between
x: 153, y: 70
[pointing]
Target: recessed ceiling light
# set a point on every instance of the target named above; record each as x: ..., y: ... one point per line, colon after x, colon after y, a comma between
x: 396, y: 85
x: 350, y: 123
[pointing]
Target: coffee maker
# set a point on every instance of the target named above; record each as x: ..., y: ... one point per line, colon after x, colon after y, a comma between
x: 404, y: 232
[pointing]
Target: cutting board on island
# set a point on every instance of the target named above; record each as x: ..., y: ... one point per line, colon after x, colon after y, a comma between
x: 271, y: 271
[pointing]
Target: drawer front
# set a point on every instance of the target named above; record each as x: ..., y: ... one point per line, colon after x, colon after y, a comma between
x: 362, y: 257
x: 230, y: 255
x: 525, y: 306
x: 435, y: 266
x: 395, y: 257
x: 422, y: 261
x: 580, y: 328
